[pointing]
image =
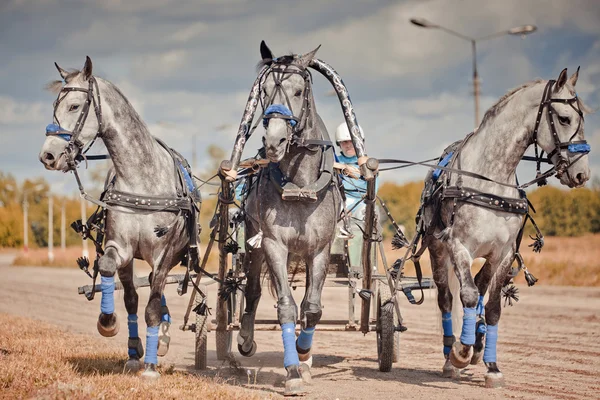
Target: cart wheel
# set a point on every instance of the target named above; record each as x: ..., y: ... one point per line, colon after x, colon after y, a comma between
x: 224, y: 340
x: 201, y: 338
x: 250, y: 352
x: 384, y: 289
x: 386, y: 332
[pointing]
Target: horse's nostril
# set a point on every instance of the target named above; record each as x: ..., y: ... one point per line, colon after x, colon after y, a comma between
x: 48, y: 158
x: 580, y: 177
x: 281, y: 141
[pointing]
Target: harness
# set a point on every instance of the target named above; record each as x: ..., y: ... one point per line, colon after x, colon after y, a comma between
x: 184, y: 203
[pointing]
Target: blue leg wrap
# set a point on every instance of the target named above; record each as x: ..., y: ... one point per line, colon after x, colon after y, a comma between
x: 163, y: 303
x: 132, y: 325
x: 151, y: 345
x: 480, y: 306
x: 305, y: 338
x: 290, y: 355
x: 482, y: 328
x: 107, y: 285
x: 447, y: 326
x: 489, y: 354
x: 467, y: 335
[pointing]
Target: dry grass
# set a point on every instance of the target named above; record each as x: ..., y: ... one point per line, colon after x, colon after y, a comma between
x: 564, y: 261
x: 37, y: 361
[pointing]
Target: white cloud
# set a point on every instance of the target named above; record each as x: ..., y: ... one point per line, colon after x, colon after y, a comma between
x: 13, y: 112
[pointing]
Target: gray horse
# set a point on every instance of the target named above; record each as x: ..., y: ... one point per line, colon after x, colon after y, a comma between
x: 292, y: 209
x: 145, y: 174
x: 472, y: 217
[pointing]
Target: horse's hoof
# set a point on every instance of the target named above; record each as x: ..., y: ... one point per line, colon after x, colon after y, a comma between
x: 164, y: 338
x: 150, y: 373
x: 108, y: 325
x: 450, y: 371
x: 458, y: 360
x: 294, y: 385
x: 494, y: 380
x: 305, y: 371
x: 247, y: 352
x: 477, y: 357
x: 132, y: 366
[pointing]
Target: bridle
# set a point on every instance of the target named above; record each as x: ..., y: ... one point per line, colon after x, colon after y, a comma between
x: 296, y: 123
x: 581, y: 147
x: 74, y: 151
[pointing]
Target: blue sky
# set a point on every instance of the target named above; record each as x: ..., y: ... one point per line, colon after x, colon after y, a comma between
x: 187, y: 66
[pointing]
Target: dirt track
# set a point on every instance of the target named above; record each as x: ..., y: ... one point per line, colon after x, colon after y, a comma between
x: 549, y: 343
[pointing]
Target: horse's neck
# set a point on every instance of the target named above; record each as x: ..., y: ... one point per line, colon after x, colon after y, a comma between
x: 141, y: 164
x: 300, y: 165
x: 496, y: 148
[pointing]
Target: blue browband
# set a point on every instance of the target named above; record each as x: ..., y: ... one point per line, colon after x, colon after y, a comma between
x: 279, y: 109
x: 579, y: 148
x: 59, y: 131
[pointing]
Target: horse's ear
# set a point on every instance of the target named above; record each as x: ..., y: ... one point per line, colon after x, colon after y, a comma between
x: 62, y: 72
x: 265, y: 52
x: 305, y: 60
x: 573, y: 78
x: 562, y: 79
x: 87, y: 68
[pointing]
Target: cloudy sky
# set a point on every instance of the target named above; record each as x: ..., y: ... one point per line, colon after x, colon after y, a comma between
x: 187, y: 66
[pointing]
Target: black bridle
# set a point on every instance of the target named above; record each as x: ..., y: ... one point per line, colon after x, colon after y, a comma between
x: 296, y: 122
x: 74, y: 151
x: 562, y: 163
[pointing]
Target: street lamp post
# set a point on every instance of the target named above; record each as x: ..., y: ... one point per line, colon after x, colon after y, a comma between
x: 520, y: 31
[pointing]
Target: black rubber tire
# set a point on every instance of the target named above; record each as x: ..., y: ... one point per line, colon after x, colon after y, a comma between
x: 200, y: 353
x: 224, y: 340
x: 386, y: 330
x: 250, y: 352
x: 385, y: 292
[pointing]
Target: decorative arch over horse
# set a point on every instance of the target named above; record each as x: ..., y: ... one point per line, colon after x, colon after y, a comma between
x: 473, y: 207
x: 293, y: 205
x: 147, y: 210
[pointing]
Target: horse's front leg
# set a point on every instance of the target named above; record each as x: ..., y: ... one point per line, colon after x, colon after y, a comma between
x: 493, y: 309
x: 252, y: 267
x: 276, y: 255
x: 482, y: 281
x: 130, y: 297
x: 310, y: 309
x: 114, y: 258
x: 462, y: 351
x: 155, y: 316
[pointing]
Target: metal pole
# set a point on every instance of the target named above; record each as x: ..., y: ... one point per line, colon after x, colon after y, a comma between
x: 63, y: 232
x: 476, y: 83
x: 50, y: 228
x: 84, y: 252
x: 25, y: 224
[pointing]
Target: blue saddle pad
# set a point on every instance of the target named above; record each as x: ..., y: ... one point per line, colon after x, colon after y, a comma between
x: 444, y: 162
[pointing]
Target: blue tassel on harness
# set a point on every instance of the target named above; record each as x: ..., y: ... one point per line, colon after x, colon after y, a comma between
x: 151, y: 345
x: 163, y: 303
x: 579, y: 148
x: 467, y: 335
x: 491, y: 338
x: 443, y: 163
x: 188, y: 179
x: 305, y: 338
x: 53, y: 128
x: 278, y: 109
x: 290, y: 355
x: 107, y: 286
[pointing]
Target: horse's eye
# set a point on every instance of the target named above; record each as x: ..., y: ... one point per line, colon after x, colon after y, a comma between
x: 298, y: 93
x: 74, y: 107
x: 564, y: 120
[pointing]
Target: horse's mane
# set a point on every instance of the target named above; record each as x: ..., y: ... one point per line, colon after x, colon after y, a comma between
x: 55, y: 86
x: 503, y: 101
x: 285, y: 60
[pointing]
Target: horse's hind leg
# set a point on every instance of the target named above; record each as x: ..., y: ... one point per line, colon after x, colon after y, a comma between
x: 252, y: 266
x: 482, y: 281
x: 130, y: 296
x: 493, y: 309
x: 439, y: 266
x: 276, y: 255
x: 310, y: 309
x: 462, y: 352
x: 108, y: 323
x: 153, y: 319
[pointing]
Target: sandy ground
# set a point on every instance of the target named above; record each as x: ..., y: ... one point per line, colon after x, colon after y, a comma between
x: 549, y: 343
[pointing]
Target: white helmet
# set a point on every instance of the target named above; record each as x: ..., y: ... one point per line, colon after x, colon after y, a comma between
x: 342, y: 133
